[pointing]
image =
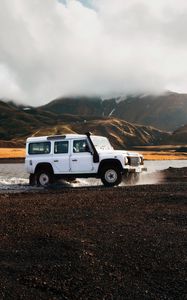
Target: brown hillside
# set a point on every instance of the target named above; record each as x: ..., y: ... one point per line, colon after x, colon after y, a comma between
x: 17, y: 122
x: 179, y: 136
x: 121, y: 133
x: 167, y: 112
x: 82, y: 106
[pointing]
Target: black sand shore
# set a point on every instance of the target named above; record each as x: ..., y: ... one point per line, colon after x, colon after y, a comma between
x: 97, y: 243
x: 12, y: 160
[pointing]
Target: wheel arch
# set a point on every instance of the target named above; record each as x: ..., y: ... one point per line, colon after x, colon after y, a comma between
x: 109, y: 162
x: 44, y: 166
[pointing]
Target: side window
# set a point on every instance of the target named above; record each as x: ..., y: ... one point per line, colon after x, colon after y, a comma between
x: 80, y: 146
x: 61, y: 147
x: 40, y: 148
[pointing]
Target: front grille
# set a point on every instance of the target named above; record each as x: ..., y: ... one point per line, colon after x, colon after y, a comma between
x: 134, y: 161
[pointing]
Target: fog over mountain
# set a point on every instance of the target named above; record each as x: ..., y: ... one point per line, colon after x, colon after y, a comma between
x: 53, y: 48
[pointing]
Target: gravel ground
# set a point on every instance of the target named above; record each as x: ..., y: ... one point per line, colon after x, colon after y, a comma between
x: 95, y: 243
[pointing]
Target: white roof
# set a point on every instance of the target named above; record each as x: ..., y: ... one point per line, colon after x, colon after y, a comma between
x: 64, y: 137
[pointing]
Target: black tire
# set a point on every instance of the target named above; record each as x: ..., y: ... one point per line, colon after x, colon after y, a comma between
x: 111, y: 176
x: 44, y: 178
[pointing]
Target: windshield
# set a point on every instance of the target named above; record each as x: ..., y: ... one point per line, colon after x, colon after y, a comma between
x: 101, y: 143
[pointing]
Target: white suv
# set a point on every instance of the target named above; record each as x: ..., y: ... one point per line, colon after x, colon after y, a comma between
x: 71, y: 156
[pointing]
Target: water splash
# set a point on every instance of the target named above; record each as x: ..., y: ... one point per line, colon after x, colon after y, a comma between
x: 22, y: 184
x: 13, y: 181
x: 87, y: 182
x: 151, y: 178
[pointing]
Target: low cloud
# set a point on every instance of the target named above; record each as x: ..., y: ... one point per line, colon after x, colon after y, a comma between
x: 51, y: 48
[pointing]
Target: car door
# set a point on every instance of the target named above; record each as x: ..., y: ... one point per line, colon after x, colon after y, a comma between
x: 81, y: 159
x: 61, y: 157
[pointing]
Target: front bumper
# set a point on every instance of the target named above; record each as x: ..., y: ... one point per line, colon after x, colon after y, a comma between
x: 138, y: 169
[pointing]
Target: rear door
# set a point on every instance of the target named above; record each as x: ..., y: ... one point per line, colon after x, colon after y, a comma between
x: 81, y: 159
x: 61, y: 157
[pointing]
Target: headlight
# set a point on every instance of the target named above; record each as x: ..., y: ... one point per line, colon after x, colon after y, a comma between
x: 141, y: 160
x: 126, y: 161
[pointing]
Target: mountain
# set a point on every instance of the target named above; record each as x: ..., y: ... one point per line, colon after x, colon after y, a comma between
x: 19, y: 122
x: 166, y: 112
x: 83, y: 106
x: 117, y: 118
x: 179, y: 136
x: 121, y: 133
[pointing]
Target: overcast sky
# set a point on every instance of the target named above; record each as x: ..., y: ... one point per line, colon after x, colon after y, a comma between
x: 52, y: 48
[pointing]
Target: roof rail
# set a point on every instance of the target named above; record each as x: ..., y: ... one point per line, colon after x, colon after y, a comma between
x: 56, y: 137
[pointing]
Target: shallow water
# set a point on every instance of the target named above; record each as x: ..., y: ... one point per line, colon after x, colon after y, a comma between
x: 157, y: 165
x: 14, y: 177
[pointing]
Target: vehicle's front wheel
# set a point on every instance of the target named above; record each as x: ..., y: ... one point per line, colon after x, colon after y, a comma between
x: 111, y: 176
x: 44, y: 178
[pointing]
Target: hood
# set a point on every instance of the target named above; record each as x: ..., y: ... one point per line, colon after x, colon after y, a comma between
x: 118, y: 152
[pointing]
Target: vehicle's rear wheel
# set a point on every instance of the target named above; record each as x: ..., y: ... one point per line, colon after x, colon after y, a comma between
x: 111, y: 176
x: 44, y: 178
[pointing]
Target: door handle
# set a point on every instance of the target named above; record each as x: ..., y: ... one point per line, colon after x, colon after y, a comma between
x: 74, y: 159
x: 56, y: 160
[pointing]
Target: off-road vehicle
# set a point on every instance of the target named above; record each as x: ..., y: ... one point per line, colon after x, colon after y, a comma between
x: 70, y: 156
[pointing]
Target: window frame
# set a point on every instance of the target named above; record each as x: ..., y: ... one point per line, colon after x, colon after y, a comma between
x: 41, y: 153
x: 61, y: 153
x: 78, y: 140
